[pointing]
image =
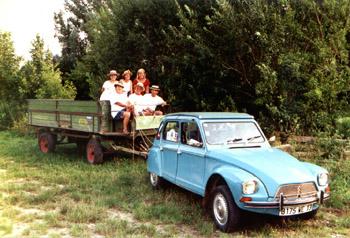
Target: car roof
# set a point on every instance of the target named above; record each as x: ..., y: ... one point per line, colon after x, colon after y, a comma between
x: 211, y: 115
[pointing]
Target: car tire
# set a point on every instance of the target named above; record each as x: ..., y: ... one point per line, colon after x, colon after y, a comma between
x: 156, y: 181
x: 47, y: 142
x: 94, y: 151
x: 224, y: 210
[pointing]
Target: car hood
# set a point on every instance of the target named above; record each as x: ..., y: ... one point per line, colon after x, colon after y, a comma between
x: 272, y: 166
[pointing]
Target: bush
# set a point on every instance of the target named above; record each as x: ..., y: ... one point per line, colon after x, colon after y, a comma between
x: 330, y: 147
x: 343, y: 127
x: 9, y: 112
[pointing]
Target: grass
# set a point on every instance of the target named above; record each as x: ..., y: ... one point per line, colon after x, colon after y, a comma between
x: 59, y: 194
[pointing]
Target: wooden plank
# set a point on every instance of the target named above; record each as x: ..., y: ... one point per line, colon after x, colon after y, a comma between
x: 129, y: 151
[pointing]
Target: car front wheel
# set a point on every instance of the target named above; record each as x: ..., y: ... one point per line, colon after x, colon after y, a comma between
x: 225, y: 212
x: 155, y: 180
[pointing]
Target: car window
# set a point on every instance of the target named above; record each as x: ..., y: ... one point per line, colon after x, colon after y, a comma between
x: 171, y: 130
x: 231, y: 133
x: 190, y: 134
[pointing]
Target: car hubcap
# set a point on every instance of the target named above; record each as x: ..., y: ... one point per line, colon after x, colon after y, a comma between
x: 220, y: 209
x: 154, y: 179
x: 44, y: 145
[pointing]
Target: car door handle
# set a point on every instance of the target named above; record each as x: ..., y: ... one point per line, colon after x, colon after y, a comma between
x: 161, y: 148
x: 179, y: 152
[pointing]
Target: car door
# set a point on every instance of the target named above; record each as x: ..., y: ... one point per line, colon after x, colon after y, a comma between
x: 191, y: 158
x: 169, y: 149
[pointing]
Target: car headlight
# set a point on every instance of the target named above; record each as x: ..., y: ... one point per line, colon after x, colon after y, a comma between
x: 322, y: 179
x: 249, y: 187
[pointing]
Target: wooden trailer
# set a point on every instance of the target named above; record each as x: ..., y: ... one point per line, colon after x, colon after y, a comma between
x: 89, y: 124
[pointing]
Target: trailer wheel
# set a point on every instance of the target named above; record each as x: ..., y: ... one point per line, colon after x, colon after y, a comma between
x: 46, y: 142
x: 94, y: 152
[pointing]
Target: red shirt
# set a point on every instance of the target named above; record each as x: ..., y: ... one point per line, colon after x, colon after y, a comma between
x: 145, y: 84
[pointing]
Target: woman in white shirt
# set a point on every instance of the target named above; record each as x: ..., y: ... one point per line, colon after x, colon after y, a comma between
x: 127, y: 82
x: 108, y: 85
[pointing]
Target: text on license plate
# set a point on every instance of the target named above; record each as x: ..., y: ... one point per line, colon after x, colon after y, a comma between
x: 294, y: 210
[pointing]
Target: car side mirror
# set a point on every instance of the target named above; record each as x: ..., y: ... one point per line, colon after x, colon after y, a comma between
x: 272, y: 139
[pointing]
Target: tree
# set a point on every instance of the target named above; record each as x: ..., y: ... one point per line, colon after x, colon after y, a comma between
x: 73, y: 34
x: 9, y: 65
x: 9, y: 81
x: 41, y: 79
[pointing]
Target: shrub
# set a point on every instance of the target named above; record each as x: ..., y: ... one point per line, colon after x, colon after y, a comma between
x: 343, y: 127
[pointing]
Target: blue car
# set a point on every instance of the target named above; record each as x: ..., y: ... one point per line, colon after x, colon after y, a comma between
x: 226, y: 159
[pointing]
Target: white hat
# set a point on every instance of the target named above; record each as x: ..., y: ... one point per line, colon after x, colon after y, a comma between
x: 139, y: 84
x: 119, y: 84
x: 113, y: 72
x: 155, y: 87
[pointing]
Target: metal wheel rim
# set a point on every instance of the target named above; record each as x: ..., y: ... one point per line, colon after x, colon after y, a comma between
x: 44, y: 144
x: 91, y: 153
x: 220, y: 209
x: 153, y: 179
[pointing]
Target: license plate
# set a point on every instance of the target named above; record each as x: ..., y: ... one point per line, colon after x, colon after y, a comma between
x: 295, y: 210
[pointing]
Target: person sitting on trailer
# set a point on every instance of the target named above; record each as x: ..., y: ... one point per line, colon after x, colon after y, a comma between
x: 152, y: 100
x: 120, y: 106
x: 108, y: 85
x: 128, y: 87
x: 142, y: 78
x: 136, y: 99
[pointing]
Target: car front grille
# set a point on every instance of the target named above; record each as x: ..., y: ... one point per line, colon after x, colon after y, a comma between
x: 295, y: 191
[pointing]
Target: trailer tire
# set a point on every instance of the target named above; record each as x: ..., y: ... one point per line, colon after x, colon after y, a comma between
x: 94, y: 152
x: 47, y: 142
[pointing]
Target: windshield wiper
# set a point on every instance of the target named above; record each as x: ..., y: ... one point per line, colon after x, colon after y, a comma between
x: 253, y: 138
x: 233, y: 140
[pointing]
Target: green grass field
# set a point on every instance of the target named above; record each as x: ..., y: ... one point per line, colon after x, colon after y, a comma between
x: 60, y: 195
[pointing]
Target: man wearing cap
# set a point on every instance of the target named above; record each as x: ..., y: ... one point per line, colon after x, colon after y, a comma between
x: 120, y: 106
x: 152, y: 100
x: 136, y: 99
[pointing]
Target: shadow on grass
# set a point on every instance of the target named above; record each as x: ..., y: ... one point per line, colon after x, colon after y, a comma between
x: 250, y: 223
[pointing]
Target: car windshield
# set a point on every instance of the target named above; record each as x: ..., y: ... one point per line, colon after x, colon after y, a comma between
x: 232, y: 133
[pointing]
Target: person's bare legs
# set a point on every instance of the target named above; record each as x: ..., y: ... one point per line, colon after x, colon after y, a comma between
x: 126, y: 118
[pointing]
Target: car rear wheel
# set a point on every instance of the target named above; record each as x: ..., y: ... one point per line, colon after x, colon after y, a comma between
x: 156, y: 181
x: 224, y: 210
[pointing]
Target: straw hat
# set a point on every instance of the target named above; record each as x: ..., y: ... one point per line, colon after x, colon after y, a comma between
x: 119, y: 84
x: 113, y: 72
x: 155, y: 87
x: 127, y: 72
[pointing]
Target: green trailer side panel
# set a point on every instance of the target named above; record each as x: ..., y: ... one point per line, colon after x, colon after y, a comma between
x: 43, y: 119
x: 147, y: 122
x: 78, y: 106
x: 41, y: 104
x: 86, y: 116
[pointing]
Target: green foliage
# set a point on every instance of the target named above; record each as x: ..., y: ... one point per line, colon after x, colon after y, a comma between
x: 285, y: 62
x: 331, y: 147
x: 343, y: 127
x: 41, y: 79
x: 10, y: 99
x: 9, y: 65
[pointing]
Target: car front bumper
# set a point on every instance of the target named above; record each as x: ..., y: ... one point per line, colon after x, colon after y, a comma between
x: 282, y: 202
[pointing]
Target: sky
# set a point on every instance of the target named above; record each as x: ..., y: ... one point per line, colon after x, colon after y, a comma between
x: 25, y: 18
